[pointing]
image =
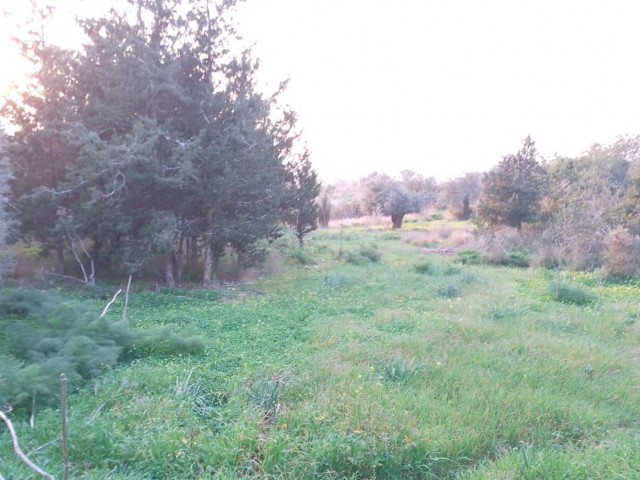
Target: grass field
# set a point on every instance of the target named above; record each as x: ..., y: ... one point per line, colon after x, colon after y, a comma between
x: 407, y: 366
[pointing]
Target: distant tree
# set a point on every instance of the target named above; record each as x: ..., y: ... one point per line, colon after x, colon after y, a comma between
x: 585, y: 200
x: 4, y: 178
x: 390, y: 197
x: 425, y: 187
x: 324, y: 209
x: 302, y: 188
x: 6, y: 259
x: 632, y: 195
x: 460, y: 194
x: 512, y: 190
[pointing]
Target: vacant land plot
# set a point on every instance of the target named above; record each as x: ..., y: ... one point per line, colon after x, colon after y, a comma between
x: 367, y: 358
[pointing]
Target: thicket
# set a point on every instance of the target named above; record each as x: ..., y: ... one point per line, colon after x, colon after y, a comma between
x: 580, y: 214
x: 573, y: 213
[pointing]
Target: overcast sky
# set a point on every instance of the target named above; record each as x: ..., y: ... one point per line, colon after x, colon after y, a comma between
x: 443, y: 87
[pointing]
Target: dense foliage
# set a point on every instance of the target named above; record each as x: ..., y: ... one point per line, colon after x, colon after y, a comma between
x: 152, y: 142
x: 512, y: 190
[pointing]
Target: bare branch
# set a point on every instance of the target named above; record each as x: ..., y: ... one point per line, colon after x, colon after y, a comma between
x: 106, y: 309
x: 126, y: 301
x: 19, y: 453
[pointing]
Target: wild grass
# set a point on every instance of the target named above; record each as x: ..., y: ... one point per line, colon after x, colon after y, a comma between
x: 361, y: 371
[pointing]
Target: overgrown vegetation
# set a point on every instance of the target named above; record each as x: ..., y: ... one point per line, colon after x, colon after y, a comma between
x: 46, y: 334
x: 358, y: 371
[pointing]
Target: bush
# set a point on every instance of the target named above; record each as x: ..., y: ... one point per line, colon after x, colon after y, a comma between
x: 371, y: 252
x: 426, y: 267
x: 622, y: 253
x: 433, y: 268
x: 470, y: 257
x: 570, y: 293
x: 302, y: 256
x: 58, y: 335
x: 516, y: 258
x: 55, y: 336
x: 366, y: 254
x: 448, y: 291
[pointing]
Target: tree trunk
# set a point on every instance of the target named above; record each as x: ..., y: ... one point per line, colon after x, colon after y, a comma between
x: 208, y: 264
x: 180, y: 259
x: 60, y: 267
x: 396, y: 220
x: 466, y: 208
x: 168, y: 270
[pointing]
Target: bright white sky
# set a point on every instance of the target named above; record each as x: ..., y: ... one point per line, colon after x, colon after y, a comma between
x: 441, y: 87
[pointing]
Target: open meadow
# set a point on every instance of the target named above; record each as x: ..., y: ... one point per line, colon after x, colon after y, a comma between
x: 362, y: 356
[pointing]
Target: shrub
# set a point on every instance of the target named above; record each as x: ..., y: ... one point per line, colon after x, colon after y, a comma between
x: 546, y: 256
x: 571, y: 293
x: 58, y: 335
x: 436, y: 268
x: 426, y: 267
x: 622, y: 253
x: 449, y: 269
x: 355, y: 258
x: 447, y: 291
x: 514, y: 258
x: 470, y: 257
x: 365, y: 254
x: 371, y: 252
x: 302, y: 256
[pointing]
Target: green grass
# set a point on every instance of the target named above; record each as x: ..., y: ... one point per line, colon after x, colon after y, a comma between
x: 365, y: 371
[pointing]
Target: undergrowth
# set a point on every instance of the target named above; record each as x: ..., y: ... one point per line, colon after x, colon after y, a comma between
x: 358, y: 371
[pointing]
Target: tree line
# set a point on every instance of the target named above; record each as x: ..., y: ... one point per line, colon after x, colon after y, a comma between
x: 152, y: 142
x: 580, y: 213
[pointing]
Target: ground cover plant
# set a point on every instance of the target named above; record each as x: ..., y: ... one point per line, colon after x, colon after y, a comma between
x: 365, y: 370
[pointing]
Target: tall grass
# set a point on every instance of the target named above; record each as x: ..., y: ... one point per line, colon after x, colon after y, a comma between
x: 360, y: 371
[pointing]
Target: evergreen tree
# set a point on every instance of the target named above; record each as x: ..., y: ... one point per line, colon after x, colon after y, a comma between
x: 151, y: 138
x: 512, y: 190
x: 324, y: 209
x: 302, y: 190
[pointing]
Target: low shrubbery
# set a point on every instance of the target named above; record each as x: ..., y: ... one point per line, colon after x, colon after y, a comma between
x: 470, y: 257
x: 46, y: 334
x: 447, y: 291
x: 514, y: 258
x: 566, y: 292
x: 365, y: 254
x: 430, y: 267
